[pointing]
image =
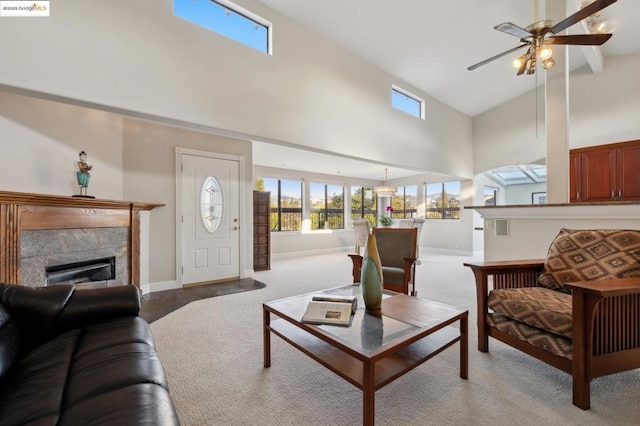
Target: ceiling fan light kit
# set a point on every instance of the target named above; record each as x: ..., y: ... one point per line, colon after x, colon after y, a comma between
x: 542, y: 33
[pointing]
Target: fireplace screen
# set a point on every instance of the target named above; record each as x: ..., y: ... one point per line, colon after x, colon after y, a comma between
x: 77, y: 272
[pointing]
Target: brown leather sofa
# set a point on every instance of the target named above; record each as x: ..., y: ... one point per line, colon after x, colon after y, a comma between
x: 79, y: 357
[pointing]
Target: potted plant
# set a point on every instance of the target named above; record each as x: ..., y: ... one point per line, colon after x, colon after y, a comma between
x: 386, y: 220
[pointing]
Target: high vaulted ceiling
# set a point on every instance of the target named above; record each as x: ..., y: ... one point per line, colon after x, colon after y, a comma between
x: 430, y: 44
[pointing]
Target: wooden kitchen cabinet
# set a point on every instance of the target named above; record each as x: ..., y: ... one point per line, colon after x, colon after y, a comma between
x: 605, y: 173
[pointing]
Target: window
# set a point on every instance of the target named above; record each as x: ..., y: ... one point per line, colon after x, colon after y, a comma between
x: 407, y: 102
x: 518, y: 175
x: 490, y: 196
x: 405, y: 202
x: 327, y: 206
x: 363, y: 204
x: 443, y: 200
x: 227, y: 19
x: 286, y: 204
x: 211, y: 203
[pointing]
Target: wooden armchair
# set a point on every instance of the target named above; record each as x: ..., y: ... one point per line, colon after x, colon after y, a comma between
x: 397, y: 249
x: 578, y: 310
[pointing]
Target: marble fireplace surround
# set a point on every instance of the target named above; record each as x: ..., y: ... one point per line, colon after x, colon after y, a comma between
x: 38, y: 230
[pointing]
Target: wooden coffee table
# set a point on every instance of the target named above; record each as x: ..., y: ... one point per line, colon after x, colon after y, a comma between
x: 376, y: 348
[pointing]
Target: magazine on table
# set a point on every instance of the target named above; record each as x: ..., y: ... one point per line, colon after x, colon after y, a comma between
x: 336, y: 310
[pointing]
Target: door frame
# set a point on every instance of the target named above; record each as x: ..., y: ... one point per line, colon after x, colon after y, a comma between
x: 179, y: 211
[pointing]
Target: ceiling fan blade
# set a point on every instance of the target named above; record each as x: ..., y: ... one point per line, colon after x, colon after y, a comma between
x: 580, y: 39
x: 493, y: 58
x: 589, y: 10
x: 514, y: 30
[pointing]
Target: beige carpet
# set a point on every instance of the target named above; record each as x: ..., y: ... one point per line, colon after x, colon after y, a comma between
x: 212, y: 353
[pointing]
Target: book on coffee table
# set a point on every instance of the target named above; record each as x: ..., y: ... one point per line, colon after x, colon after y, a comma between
x: 329, y: 311
x: 353, y: 300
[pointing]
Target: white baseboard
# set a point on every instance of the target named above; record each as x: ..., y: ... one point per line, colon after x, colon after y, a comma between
x: 290, y: 254
x: 423, y: 251
x: 428, y: 250
x: 159, y: 286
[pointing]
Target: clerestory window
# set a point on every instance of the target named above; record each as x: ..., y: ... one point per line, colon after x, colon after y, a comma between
x: 407, y: 102
x: 228, y: 19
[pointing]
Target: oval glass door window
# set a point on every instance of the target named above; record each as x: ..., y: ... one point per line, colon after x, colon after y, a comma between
x: 211, y: 203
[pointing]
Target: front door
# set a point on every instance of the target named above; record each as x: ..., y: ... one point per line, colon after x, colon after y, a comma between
x: 210, y: 219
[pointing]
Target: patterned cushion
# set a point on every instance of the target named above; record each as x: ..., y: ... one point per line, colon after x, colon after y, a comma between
x: 538, y: 307
x: 586, y: 255
x: 555, y: 344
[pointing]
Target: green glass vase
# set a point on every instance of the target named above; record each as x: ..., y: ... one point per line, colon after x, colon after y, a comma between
x: 371, y: 276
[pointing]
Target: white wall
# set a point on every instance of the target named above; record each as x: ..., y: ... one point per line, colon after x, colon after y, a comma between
x: 521, y: 194
x: 604, y: 108
x: 40, y: 142
x: 131, y: 160
x: 141, y: 60
x: 531, y: 229
x: 149, y: 173
x: 453, y: 236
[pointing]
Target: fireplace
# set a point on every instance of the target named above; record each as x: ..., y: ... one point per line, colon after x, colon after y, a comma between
x: 38, y: 231
x: 78, y: 272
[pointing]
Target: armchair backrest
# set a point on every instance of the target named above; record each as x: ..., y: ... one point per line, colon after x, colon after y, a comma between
x: 361, y: 233
x: 394, y: 244
x: 586, y: 255
x: 418, y: 224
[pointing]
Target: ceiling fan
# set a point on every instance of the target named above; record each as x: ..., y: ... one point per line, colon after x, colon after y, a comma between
x: 542, y: 33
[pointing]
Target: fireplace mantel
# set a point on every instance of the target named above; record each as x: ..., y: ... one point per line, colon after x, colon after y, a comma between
x: 20, y: 211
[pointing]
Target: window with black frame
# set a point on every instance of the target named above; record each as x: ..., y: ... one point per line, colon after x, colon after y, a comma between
x: 286, y: 204
x: 363, y: 204
x: 327, y: 206
x: 442, y: 200
x: 404, y: 203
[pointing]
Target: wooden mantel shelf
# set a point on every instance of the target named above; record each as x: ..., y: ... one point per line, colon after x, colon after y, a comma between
x: 67, y: 201
x: 21, y: 211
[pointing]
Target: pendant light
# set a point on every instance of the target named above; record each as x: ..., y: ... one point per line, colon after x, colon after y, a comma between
x: 385, y: 190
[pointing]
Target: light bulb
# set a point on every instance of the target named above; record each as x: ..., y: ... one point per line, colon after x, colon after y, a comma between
x: 517, y: 62
x: 544, y: 53
x: 548, y: 63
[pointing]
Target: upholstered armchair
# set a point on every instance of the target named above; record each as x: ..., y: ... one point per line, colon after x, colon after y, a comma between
x: 577, y: 310
x: 397, y: 250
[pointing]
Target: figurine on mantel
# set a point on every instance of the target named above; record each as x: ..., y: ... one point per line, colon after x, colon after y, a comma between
x: 82, y: 175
